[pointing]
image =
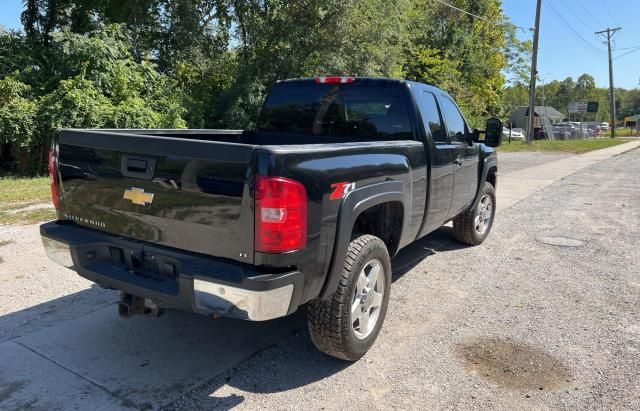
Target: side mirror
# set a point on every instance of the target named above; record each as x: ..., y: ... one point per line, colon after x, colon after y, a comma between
x: 493, y: 135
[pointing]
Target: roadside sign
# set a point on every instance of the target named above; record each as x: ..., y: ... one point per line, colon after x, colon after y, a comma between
x: 578, y: 107
x: 583, y: 107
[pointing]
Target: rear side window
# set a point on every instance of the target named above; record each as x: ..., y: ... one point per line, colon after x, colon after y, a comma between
x: 367, y: 111
x: 456, y: 126
x: 431, y: 117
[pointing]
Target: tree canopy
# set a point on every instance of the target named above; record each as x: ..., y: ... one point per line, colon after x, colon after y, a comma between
x: 209, y: 63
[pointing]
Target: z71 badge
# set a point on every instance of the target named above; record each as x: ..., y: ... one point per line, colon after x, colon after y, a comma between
x: 340, y: 190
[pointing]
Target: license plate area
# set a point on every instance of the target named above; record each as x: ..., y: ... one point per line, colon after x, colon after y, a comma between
x: 132, y: 265
x: 152, y: 266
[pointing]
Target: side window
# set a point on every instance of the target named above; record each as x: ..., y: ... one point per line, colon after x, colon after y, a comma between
x: 431, y: 117
x: 455, y: 122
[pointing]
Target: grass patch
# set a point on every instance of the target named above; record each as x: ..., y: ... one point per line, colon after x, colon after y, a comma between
x: 570, y: 146
x: 18, y: 193
x: 626, y: 132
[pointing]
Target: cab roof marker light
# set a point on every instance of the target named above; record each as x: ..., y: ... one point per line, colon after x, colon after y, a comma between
x: 335, y: 80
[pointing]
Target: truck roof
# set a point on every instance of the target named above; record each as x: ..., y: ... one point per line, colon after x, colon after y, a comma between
x: 379, y: 80
x: 369, y: 80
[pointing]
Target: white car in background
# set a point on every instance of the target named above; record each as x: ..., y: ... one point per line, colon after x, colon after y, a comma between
x: 516, y: 134
x: 604, y: 126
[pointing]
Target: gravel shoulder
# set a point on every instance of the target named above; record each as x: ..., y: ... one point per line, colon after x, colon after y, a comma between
x: 37, y: 293
x: 514, y: 323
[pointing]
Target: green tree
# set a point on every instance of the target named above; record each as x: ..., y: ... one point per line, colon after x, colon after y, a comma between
x: 464, y: 55
x: 17, y: 114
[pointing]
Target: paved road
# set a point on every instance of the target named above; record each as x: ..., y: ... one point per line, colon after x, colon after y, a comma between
x: 510, y: 162
x: 513, y: 323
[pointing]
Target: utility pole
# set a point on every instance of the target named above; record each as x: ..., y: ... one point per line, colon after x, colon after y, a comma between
x: 534, y: 72
x: 612, y: 91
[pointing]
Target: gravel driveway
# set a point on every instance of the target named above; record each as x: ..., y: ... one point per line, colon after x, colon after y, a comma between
x: 513, y: 323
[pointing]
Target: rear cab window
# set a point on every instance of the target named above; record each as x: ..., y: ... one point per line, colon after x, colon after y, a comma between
x: 362, y: 110
x: 431, y: 117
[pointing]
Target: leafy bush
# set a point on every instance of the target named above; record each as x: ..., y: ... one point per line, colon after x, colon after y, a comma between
x: 17, y: 113
x: 84, y: 81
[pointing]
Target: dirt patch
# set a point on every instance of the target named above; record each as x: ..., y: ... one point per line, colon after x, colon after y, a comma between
x: 513, y: 364
x: 2, y: 244
x: 561, y: 241
x: 30, y: 207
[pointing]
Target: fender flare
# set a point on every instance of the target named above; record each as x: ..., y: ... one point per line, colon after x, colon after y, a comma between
x: 352, y: 206
x: 487, y: 164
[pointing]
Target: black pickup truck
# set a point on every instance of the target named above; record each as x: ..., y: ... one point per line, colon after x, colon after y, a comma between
x: 308, y: 208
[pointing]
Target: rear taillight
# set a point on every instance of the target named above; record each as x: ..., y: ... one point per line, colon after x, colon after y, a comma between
x: 281, y: 215
x: 55, y: 181
x: 335, y: 80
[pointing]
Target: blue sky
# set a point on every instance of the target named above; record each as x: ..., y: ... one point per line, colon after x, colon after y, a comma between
x: 565, y: 49
x: 565, y: 52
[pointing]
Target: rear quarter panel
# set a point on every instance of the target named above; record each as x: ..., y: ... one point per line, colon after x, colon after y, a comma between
x: 318, y: 167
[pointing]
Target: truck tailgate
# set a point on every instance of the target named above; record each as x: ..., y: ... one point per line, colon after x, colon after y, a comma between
x: 179, y: 192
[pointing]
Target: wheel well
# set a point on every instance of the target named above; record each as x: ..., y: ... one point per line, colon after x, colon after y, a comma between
x: 492, y: 176
x: 383, y: 221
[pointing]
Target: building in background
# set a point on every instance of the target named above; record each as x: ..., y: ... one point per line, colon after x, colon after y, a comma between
x: 520, y: 117
x: 633, y: 122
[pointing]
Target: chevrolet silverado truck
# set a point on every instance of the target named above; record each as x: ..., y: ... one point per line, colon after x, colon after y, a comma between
x: 306, y: 209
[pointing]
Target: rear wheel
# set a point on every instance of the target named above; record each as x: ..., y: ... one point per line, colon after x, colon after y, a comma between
x: 473, y: 226
x: 347, y: 324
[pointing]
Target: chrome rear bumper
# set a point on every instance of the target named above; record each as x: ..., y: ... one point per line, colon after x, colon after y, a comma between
x: 249, y: 304
x: 250, y: 296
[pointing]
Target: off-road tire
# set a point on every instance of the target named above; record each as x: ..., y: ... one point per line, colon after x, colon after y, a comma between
x: 464, y: 225
x: 329, y: 320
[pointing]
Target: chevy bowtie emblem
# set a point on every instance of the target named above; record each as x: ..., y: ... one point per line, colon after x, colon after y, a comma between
x: 138, y: 196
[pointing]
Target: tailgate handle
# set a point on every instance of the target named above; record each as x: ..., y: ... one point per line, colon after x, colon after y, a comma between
x: 138, y: 167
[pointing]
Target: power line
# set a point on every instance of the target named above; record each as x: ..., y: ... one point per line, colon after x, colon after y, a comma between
x: 608, y: 12
x: 589, y: 27
x: 577, y: 35
x: 627, y: 48
x: 628, y: 52
x: 598, y: 24
x: 475, y: 15
x: 463, y: 11
x: 573, y: 31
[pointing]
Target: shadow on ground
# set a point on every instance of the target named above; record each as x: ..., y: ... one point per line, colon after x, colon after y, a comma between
x: 149, y: 363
